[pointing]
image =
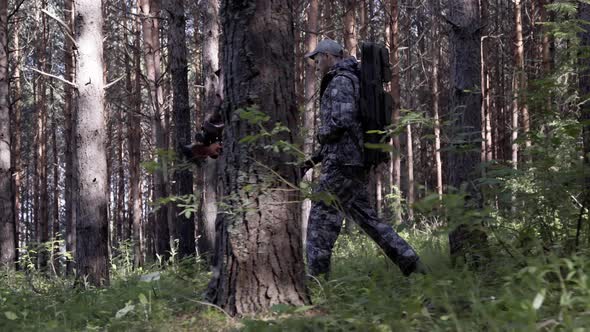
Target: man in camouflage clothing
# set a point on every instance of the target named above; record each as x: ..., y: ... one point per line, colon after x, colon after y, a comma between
x: 342, y: 174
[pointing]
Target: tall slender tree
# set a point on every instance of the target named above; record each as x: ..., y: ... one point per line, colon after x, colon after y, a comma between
x: 584, y: 86
x: 182, y: 116
x: 150, y: 11
x: 7, y: 239
x: 70, y: 118
x: 395, y: 89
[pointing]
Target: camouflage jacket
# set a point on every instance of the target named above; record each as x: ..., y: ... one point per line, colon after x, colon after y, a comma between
x: 340, y: 132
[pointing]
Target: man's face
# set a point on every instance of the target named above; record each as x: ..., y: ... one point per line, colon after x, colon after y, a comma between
x: 323, y: 64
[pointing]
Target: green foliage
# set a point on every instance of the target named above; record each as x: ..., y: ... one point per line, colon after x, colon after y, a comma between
x: 137, y: 300
x: 368, y: 293
x: 365, y: 292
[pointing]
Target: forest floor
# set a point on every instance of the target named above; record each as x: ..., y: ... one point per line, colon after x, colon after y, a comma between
x: 365, y: 293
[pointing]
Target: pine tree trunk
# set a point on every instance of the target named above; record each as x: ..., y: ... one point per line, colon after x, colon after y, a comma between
x: 69, y: 133
x: 210, y: 171
x: 91, y: 160
x: 16, y: 141
x: 436, y: 100
x: 259, y: 257
x: 311, y: 40
x: 134, y: 145
x: 41, y: 193
x: 182, y: 118
x: 465, y: 112
x: 55, y: 234
x: 350, y: 41
x: 395, y: 87
x: 411, y: 184
x: 150, y: 9
x: 120, y: 197
x: 584, y: 86
x: 7, y: 240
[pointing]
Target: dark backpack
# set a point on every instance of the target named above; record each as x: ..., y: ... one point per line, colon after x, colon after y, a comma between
x: 375, y: 104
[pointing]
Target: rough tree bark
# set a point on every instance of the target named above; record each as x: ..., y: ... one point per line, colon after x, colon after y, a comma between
x: 7, y: 244
x: 91, y: 160
x: 259, y: 258
x: 465, y: 117
x: 182, y: 117
x: 209, y: 172
x: 150, y: 9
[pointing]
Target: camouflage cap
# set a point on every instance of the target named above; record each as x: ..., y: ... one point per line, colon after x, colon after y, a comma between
x: 328, y: 46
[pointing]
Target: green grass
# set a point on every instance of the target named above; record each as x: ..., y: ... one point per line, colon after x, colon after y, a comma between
x: 365, y: 293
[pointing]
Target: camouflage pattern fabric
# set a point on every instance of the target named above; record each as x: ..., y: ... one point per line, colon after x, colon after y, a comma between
x: 347, y: 185
x: 340, y: 132
x: 344, y: 177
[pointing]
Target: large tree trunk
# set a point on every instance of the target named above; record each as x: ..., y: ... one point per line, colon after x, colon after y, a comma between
x: 259, y: 257
x: 69, y: 114
x: 311, y: 40
x: 465, y: 111
x: 7, y: 244
x: 150, y: 10
x: 91, y: 159
x: 209, y: 173
x: 182, y: 117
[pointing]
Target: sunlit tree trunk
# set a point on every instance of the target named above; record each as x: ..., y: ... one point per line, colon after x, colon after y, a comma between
x: 91, y: 160
x: 350, y: 41
x: 210, y: 170
x: 311, y: 40
x: 436, y: 101
x: 150, y: 11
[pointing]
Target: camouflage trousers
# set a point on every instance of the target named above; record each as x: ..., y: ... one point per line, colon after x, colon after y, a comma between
x: 347, y: 185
